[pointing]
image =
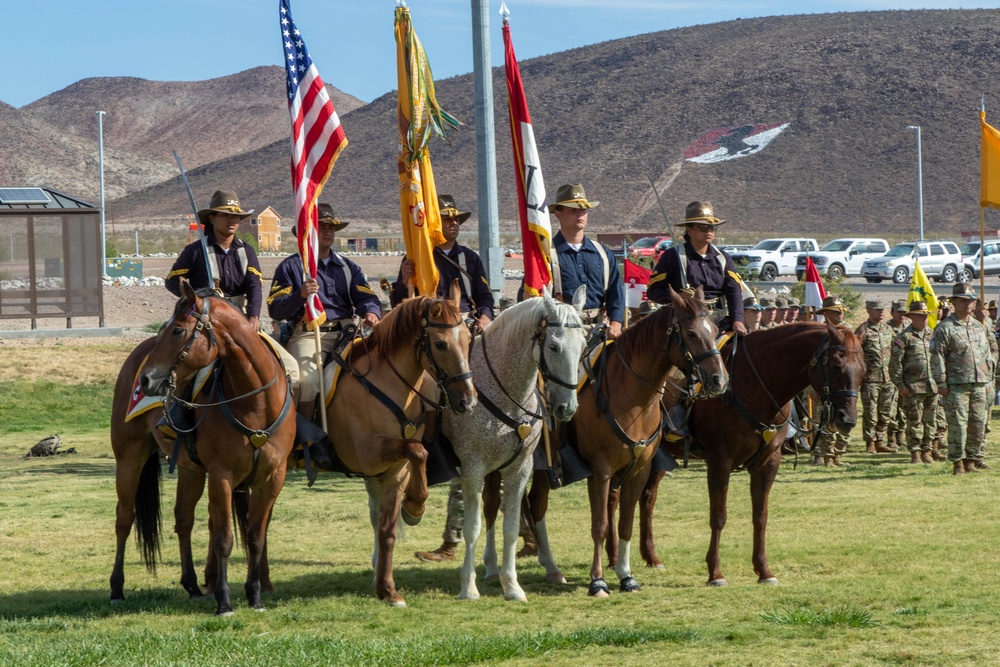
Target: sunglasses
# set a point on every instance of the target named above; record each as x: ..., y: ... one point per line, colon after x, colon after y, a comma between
x: 702, y: 227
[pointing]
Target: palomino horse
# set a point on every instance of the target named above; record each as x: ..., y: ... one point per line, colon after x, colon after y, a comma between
x: 376, y: 415
x: 539, y: 335
x: 616, y: 431
x: 244, y: 435
x: 731, y: 432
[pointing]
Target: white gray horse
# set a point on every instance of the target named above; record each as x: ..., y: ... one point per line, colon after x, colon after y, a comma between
x: 537, y: 336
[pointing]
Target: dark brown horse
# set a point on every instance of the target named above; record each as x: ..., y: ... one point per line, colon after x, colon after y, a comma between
x: 767, y: 368
x: 619, y: 420
x: 243, y: 440
x: 376, y: 416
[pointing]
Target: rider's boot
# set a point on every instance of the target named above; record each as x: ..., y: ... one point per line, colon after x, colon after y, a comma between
x: 308, y: 434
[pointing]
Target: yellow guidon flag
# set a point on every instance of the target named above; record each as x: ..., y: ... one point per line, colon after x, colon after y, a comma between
x: 921, y: 290
x: 420, y: 116
x: 989, y: 164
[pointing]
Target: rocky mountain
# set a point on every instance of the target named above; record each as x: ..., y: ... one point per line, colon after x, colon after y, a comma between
x: 204, y: 121
x: 833, y: 93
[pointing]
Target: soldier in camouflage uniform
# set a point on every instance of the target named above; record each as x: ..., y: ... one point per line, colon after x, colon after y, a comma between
x: 910, y: 370
x: 990, y: 326
x: 897, y: 422
x: 830, y: 446
x: 780, y: 310
x: 962, y: 368
x: 767, y: 315
x: 876, y: 389
x: 793, y: 310
x: 752, y: 311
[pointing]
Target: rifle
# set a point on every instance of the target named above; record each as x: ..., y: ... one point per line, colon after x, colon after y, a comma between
x: 201, y: 231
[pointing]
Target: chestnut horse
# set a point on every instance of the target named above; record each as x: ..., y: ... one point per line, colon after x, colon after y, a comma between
x: 244, y: 436
x: 617, y: 430
x: 767, y: 368
x: 376, y: 415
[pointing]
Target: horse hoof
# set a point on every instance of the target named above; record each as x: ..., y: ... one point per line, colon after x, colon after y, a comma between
x: 770, y: 581
x: 658, y: 566
x: 117, y: 601
x: 398, y: 604
x: 469, y: 596
x: 717, y: 583
x: 556, y: 578
x: 516, y: 597
x: 408, y: 518
x: 260, y: 609
x: 224, y: 614
x: 599, y: 589
x: 629, y: 585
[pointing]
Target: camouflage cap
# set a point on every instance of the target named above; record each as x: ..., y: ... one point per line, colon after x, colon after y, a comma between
x: 875, y: 304
x: 793, y: 302
x: 766, y: 303
x: 781, y: 303
x: 899, y: 306
x: 751, y: 303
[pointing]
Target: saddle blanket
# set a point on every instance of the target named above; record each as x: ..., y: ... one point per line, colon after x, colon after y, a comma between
x: 333, y: 371
x: 139, y: 403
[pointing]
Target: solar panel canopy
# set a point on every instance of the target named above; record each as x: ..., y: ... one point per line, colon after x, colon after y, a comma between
x: 24, y: 196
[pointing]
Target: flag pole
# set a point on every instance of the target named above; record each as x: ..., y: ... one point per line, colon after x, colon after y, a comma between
x: 982, y: 248
x: 322, y: 379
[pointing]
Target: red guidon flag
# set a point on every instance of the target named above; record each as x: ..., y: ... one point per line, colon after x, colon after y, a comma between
x: 814, y: 286
x: 636, y: 281
x: 317, y: 139
x: 536, y: 232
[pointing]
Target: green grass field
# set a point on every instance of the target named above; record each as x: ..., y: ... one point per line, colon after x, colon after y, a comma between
x: 882, y: 563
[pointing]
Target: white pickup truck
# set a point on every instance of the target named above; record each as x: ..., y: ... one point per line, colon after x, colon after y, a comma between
x: 842, y: 257
x: 774, y: 257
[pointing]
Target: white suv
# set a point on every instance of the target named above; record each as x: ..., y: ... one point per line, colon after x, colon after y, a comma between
x: 991, y: 259
x: 940, y: 260
x: 842, y: 257
x: 774, y: 257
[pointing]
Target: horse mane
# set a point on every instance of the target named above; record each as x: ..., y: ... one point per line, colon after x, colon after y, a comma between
x: 852, y: 344
x: 515, y: 324
x: 401, y: 326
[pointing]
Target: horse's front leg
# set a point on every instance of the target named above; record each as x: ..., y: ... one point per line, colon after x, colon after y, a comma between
x: 598, y: 486
x: 538, y: 503
x: 514, y: 482
x: 390, y: 498
x: 220, y: 498
x: 415, y: 496
x: 647, y: 501
x: 491, y: 508
x: 190, y: 487
x: 472, y: 487
x: 261, y: 505
x: 761, y: 480
x: 718, y: 491
x: 630, y: 493
x: 611, y: 546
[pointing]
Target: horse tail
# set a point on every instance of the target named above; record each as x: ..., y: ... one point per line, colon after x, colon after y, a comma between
x: 148, y: 523
x: 241, y: 518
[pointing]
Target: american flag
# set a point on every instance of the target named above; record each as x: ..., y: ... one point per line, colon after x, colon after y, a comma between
x: 317, y: 139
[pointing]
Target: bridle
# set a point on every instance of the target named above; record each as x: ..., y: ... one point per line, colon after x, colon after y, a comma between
x: 821, y: 361
x: 423, y: 346
x: 694, y: 373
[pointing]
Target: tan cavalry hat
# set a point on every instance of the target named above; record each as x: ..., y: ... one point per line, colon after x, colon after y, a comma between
x: 326, y: 215
x: 963, y: 291
x: 223, y: 202
x: 833, y: 303
x: 448, y: 209
x: 572, y: 195
x: 697, y: 212
x: 917, y: 308
x: 992, y: 304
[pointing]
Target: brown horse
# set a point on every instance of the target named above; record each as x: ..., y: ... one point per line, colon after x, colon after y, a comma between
x: 243, y: 439
x: 376, y: 416
x: 767, y: 368
x: 616, y: 431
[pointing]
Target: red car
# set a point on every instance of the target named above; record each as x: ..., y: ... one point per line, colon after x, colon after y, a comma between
x: 651, y: 246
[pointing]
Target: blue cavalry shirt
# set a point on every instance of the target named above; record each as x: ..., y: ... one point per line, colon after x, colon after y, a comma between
x: 233, y: 281
x: 585, y: 267
x: 705, y: 272
x: 340, y: 299
x: 481, y: 295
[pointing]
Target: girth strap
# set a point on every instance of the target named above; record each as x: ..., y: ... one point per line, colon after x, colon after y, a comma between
x: 522, y: 429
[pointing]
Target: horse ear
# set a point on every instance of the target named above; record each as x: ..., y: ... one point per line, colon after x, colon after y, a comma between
x: 187, y: 291
x: 455, y: 293
x: 700, y: 293
x: 675, y: 297
x: 580, y: 298
x: 545, y: 292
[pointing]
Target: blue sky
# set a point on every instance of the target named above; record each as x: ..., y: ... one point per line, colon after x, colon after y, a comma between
x: 50, y: 44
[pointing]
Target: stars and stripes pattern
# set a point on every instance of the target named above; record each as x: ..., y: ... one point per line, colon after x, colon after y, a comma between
x: 317, y: 139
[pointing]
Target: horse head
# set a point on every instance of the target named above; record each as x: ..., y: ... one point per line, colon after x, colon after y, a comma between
x: 185, y: 343
x: 695, y: 333
x: 560, y: 341
x: 444, y: 350
x: 836, y: 373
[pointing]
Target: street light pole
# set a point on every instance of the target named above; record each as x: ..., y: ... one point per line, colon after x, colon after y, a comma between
x: 100, y: 158
x: 920, y: 179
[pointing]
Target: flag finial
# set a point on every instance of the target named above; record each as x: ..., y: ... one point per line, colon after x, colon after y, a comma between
x: 400, y: 4
x: 504, y: 12
x: 982, y: 103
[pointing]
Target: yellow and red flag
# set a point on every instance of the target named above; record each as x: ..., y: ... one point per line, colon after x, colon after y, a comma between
x: 536, y: 231
x: 420, y: 116
x: 989, y: 164
x: 921, y: 290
